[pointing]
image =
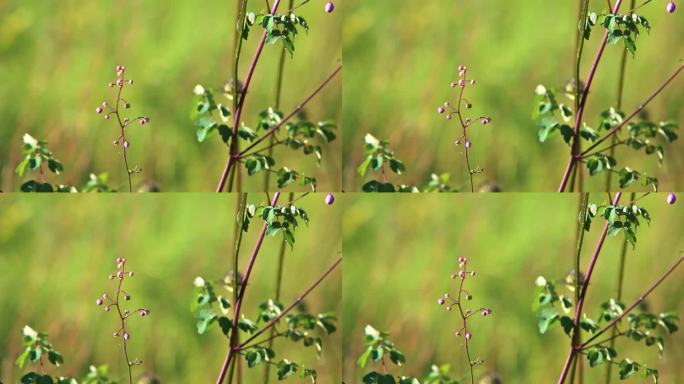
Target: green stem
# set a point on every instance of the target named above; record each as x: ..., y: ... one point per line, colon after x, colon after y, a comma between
x: 620, y: 284
x: 278, y: 94
x: 620, y: 92
x: 279, y: 283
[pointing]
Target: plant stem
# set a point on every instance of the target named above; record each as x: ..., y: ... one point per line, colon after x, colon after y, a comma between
x: 291, y: 306
x: 465, y: 326
x: 122, y: 318
x: 123, y: 133
x: 634, y: 305
x: 238, y: 303
x: 620, y: 91
x: 580, y: 303
x: 278, y: 94
x: 278, y: 285
x: 291, y: 114
x: 636, y: 111
x: 620, y: 283
x: 241, y: 103
x: 582, y: 104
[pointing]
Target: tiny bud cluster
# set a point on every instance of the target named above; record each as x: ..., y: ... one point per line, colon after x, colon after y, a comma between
x: 114, y: 302
x: 457, y: 302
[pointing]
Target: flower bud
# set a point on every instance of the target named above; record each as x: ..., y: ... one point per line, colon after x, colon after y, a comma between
x: 330, y: 199
x: 671, y: 7
x: 106, y: 117
x: 468, y: 335
x: 105, y: 296
x: 461, y: 83
x: 441, y: 301
x: 99, y: 110
x: 130, y: 274
x: 462, y: 259
x: 130, y: 82
x: 126, y: 336
x: 120, y: 274
x: 116, y: 334
x: 671, y: 198
x: 126, y: 144
x: 329, y: 7
x: 440, y: 110
x: 127, y: 297
x: 461, y: 274
x: 99, y: 301
x: 106, y: 309
x: 120, y: 83
x: 462, y: 68
x: 448, y: 308
x: 468, y: 144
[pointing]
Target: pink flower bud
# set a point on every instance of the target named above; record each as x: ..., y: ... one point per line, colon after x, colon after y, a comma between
x: 441, y: 301
x: 671, y: 7
x: 462, y: 259
x: 671, y: 198
x: 120, y: 83
x: 105, y: 296
x: 462, y: 68
x: 116, y: 334
x: 126, y: 144
x: 126, y: 336
x: 106, y: 117
x: 468, y: 144
x: 461, y: 274
x: 120, y: 274
x: 468, y: 335
x: 461, y: 83
x: 329, y: 7
x: 330, y: 199
x: 99, y: 110
x: 115, y: 142
x: 120, y: 68
x: 120, y: 260
x: 99, y: 301
x: 143, y: 121
x: 486, y: 312
x: 440, y: 110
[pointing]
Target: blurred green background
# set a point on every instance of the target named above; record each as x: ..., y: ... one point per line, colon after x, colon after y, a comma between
x: 58, y: 252
x: 400, y: 61
x: 400, y: 252
x: 57, y: 58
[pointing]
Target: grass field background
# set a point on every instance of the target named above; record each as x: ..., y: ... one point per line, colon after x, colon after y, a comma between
x: 57, y: 254
x: 57, y: 58
x: 400, y: 61
x: 400, y: 252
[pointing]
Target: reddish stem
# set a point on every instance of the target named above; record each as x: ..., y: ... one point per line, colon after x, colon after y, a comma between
x: 636, y: 111
x: 238, y: 304
x: 241, y: 103
x: 583, y: 101
x: 291, y: 306
x: 574, y: 348
x: 635, y: 304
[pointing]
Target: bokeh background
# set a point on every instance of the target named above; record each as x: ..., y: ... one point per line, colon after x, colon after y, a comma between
x: 400, y: 252
x: 57, y: 254
x: 400, y: 61
x: 57, y: 58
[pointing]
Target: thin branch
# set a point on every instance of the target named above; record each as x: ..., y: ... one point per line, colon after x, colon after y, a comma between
x: 241, y: 103
x: 238, y: 304
x: 636, y: 111
x: 291, y: 306
x: 582, y: 105
x: 635, y: 304
x: 580, y: 303
x: 293, y: 113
